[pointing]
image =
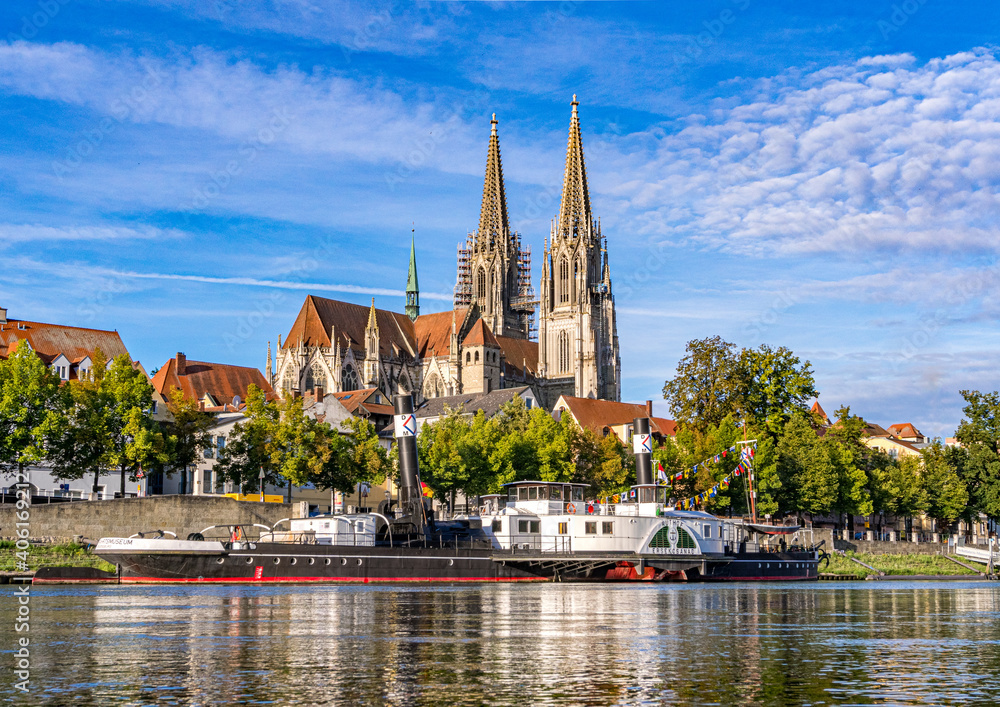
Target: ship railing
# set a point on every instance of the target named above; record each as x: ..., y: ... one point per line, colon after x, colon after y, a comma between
x: 543, y: 543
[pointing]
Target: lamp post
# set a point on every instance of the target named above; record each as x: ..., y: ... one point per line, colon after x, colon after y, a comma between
x: 261, y: 484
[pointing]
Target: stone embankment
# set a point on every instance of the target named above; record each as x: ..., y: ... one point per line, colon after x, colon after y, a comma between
x: 93, y: 520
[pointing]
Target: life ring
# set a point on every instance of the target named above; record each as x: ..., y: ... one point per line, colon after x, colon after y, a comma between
x: 571, y: 508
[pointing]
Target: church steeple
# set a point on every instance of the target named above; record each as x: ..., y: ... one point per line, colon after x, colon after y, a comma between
x: 412, y: 289
x: 574, y: 212
x: 493, y: 222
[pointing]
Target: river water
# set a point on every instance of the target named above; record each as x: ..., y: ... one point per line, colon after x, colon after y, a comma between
x: 934, y: 643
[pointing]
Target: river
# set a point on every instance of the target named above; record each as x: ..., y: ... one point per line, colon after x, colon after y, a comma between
x: 823, y: 643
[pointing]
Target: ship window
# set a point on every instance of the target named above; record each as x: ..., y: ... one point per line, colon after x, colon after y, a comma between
x: 532, y: 493
x: 708, y: 531
x: 555, y: 493
x: 277, y: 560
x: 522, y: 493
x: 359, y: 527
x: 607, y: 527
x: 249, y: 560
x: 684, y: 539
x: 522, y: 526
x: 590, y: 528
x: 577, y: 494
x: 535, y: 526
x: 563, y: 528
x: 646, y: 495
x: 497, y: 525
x: 293, y: 561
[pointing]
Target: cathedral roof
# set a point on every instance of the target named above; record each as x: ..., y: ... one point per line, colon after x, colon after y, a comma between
x: 221, y: 381
x: 318, y: 315
x: 521, y: 355
x: 433, y: 331
x: 493, y: 221
x: 574, y: 210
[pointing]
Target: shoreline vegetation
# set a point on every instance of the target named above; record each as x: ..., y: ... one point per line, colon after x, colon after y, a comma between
x: 895, y: 565
x: 64, y: 555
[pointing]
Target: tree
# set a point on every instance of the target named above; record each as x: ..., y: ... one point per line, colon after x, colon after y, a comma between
x: 980, y: 435
x: 706, y: 387
x: 29, y: 393
x: 248, y: 451
x: 904, y: 494
x: 440, y: 447
x: 604, y: 463
x: 187, y: 433
x: 765, y: 386
x: 129, y: 399
x: 808, y: 478
x: 946, y: 496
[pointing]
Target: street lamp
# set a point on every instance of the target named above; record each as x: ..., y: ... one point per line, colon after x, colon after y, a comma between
x: 261, y: 484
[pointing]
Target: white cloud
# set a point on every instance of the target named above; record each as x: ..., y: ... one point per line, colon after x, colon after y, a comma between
x: 11, y: 234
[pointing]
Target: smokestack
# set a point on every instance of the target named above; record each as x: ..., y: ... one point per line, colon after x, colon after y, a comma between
x: 181, y: 363
x: 642, y: 445
x: 410, y: 493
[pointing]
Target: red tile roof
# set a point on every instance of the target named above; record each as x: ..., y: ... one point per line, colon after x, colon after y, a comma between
x: 50, y: 340
x: 318, y: 315
x: 817, y: 409
x: 433, y: 331
x: 519, y: 354
x: 595, y: 415
x: 480, y: 335
x: 362, y: 401
x: 904, y: 430
x: 220, y: 380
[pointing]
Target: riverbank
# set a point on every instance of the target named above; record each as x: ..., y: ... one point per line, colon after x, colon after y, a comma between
x: 912, y: 566
x: 64, y: 555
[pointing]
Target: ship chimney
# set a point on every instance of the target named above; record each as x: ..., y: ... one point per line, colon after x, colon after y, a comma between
x: 410, y: 493
x: 181, y: 363
x: 642, y: 445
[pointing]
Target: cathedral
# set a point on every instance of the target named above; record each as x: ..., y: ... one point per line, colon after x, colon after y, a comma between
x: 487, y: 339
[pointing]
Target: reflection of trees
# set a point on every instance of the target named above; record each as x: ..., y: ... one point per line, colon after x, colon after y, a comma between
x: 580, y: 644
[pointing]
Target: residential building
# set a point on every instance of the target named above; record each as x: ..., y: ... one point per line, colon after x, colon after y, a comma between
x: 607, y: 417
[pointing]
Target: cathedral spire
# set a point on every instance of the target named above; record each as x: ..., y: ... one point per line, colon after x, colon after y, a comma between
x: 574, y: 212
x: 372, y: 322
x: 267, y: 371
x: 493, y: 222
x: 412, y: 289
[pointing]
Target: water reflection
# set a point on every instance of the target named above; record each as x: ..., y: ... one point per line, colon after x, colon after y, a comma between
x: 857, y: 643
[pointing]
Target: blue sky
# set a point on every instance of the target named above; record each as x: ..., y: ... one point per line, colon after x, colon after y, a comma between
x: 821, y: 176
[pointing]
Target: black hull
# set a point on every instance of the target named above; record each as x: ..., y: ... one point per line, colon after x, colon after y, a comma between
x: 269, y: 563
x: 764, y: 567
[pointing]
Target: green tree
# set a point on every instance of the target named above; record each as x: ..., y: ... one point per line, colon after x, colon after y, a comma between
x: 440, y: 447
x: 29, y: 393
x: 130, y: 429
x: 774, y: 384
x: 248, y: 449
x: 979, y: 433
x: 904, y: 492
x: 945, y: 494
x: 706, y: 386
x: 187, y: 433
x: 808, y: 477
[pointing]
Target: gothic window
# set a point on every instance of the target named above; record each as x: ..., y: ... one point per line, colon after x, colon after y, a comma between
x: 477, y: 357
x: 563, y: 352
x: 433, y: 387
x: 481, y: 285
x: 315, y: 376
x: 349, y: 378
x: 468, y: 357
x: 577, y: 289
x: 288, y: 381
x: 563, y: 281
x: 404, y: 384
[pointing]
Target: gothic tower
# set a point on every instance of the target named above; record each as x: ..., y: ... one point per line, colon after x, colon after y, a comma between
x: 494, y: 271
x: 577, y: 332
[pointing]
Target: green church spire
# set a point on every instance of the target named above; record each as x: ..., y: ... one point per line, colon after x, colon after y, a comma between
x: 412, y: 289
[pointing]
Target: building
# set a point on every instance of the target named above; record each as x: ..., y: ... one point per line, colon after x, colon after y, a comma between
x: 216, y: 387
x: 907, y: 432
x: 577, y: 331
x: 608, y: 417
x: 70, y: 352
x: 484, y: 342
x: 469, y: 405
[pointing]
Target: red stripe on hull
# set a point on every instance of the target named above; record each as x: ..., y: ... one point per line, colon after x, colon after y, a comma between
x: 303, y: 580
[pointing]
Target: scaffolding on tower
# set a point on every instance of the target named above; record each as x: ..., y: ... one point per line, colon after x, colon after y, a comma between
x: 463, y: 285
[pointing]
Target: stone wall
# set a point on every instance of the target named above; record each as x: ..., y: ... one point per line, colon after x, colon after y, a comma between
x: 879, y: 547
x: 59, y: 522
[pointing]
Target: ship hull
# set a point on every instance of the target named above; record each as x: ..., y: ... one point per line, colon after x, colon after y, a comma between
x: 284, y: 563
x: 764, y: 567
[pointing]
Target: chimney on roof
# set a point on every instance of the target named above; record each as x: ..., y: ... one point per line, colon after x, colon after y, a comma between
x: 649, y: 408
x: 181, y: 363
x: 201, y: 404
x: 318, y: 393
x: 3, y: 315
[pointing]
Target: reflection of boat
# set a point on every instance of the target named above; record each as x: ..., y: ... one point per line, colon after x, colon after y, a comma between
x: 364, y: 547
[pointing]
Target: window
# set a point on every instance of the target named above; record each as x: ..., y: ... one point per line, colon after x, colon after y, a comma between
x: 563, y: 281
x: 608, y: 527
x: 349, y: 379
x: 563, y: 352
x: 481, y: 284
x: 555, y: 493
x: 468, y: 357
x: 535, y: 526
x: 528, y: 526
x: 522, y: 493
x: 154, y: 402
x: 209, y: 452
x: 532, y: 493
x: 590, y: 528
x: 563, y: 528
x: 577, y: 494
x: 477, y: 357
x: 708, y: 531
x: 497, y: 525
x: 220, y: 443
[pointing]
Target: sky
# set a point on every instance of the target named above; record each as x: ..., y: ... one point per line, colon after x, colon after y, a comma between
x: 819, y: 176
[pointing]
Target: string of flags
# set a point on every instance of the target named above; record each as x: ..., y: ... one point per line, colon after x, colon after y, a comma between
x: 746, y: 454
